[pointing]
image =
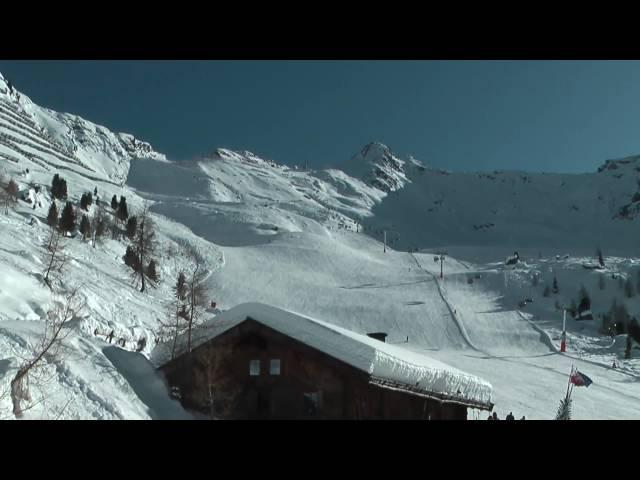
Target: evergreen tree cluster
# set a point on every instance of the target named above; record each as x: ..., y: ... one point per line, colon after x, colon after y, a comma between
x: 59, y: 187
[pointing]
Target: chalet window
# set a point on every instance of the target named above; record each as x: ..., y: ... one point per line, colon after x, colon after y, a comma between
x: 274, y: 367
x: 311, y: 404
x: 254, y: 368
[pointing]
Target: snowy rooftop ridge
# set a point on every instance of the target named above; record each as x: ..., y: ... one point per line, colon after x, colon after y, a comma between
x: 385, y: 363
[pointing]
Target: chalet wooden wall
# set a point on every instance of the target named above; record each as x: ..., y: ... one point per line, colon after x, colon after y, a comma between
x: 220, y: 369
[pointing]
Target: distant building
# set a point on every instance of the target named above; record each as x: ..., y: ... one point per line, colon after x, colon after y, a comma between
x: 260, y: 362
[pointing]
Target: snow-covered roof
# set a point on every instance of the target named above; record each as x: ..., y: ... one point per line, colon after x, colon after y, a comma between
x: 388, y: 365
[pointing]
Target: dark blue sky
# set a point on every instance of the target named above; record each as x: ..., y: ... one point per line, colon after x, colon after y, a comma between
x: 540, y: 116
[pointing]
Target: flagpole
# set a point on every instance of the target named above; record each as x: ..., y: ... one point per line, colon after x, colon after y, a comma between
x: 569, y: 382
x: 563, y: 342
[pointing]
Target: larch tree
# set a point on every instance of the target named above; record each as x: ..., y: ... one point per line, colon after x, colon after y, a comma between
x: 144, y: 244
x: 177, y: 316
x: 196, y: 295
x: 54, y: 258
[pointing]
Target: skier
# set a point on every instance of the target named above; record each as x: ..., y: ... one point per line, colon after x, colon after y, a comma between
x: 510, y: 416
x: 141, y: 344
x: 110, y: 336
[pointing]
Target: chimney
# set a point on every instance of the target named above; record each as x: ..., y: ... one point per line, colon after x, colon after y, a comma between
x: 378, y: 336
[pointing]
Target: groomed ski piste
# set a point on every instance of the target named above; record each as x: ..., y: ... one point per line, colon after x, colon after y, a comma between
x: 311, y: 242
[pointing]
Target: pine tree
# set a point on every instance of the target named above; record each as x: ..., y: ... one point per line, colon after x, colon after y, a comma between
x: 585, y: 300
x: 555, y: 288
x: 62, y: 192
x: 101, y: 226
x: 95, y: 192
x: 123, y: 211
x: 132, y: 227
x: 601, y: 282
x: 629, y: 291
x: 83, y: 201
x: 89, y: 198
x: 152, y: 273
x: 114, y: 203
x: 600, y: 258
x: 85, y: 227
x: 52, y: 216
x: 55, y: 186
x: 564, y: 410
x: 67, y: 221
x: 131, y: 259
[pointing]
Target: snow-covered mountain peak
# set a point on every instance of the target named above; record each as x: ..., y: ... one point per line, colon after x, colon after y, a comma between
x: 631, y: 163
x: 379, y: 167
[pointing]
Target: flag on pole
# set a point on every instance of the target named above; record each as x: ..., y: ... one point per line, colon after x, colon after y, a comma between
x: 580, y: 379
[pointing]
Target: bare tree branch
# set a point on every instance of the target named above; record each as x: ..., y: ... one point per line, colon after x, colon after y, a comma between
x: 54, y: 257
x: 56, y: 330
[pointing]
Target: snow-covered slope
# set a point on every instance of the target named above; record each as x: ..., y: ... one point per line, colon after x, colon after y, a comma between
x: 45, y: 141
x: 294, y: 239
x: 515, y: 209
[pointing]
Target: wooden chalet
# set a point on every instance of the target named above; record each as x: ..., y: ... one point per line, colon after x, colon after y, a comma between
x: 256, y: 361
